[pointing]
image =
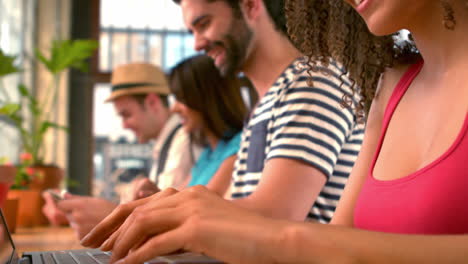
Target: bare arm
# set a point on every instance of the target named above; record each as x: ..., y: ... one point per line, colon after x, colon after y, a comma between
x: 344, y: 212
x: 200, y: 221
x: 303, y: 150
x: 222, y: 178
x: 287, y: 190
x: 304, y: 242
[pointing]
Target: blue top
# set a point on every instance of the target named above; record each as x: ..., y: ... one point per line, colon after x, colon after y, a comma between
x: 210, y: 160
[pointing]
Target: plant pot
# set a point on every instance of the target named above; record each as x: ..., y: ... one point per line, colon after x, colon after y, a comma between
x: 3, y: 192
x: 7, y: 176
x: 10, y: 211
x: 49, y: 176
x: 31, y: 201
x: 29, y: 208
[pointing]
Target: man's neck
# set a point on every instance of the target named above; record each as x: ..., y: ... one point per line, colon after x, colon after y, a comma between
x: 271, y: 56
x: 164, y: 117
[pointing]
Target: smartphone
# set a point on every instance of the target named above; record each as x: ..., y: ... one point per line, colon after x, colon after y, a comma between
x: 57, y: 196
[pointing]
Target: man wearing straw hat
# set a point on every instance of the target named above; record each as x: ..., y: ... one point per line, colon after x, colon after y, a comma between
x: 140, y: 96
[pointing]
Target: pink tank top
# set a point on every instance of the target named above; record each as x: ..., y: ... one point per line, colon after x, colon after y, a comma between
x: 432, y: 200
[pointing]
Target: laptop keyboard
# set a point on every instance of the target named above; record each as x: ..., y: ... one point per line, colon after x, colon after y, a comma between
x: 83, y: 257
x: 47, y: 258
x: 64, y: 257
x: 101, y: 257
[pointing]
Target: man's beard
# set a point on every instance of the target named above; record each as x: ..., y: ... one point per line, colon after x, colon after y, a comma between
x: 235, y: 44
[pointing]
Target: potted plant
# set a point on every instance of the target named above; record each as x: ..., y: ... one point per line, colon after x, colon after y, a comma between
x: 33, y: 119
x: 8, y: 177
x: 9, y: 206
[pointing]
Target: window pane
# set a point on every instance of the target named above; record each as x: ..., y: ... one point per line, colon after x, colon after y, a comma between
x: 155, y: 51
x: 156, y: 14
x: 189, y: 44
x: 131, y: 31
x: 104, y: 51
x: 10, y: 30
x: 177, y: 47
x: 119, y: 49
x: 172, y: 15
x: 16, y: 28
x: 138, y: 48
x: 150, y: 29
x: 173, y: 49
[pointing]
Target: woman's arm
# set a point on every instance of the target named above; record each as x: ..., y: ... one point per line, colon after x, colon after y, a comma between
x: 198, y: 220
x: 313, y: 243
x: 344, y: 213
x: 222, y: 178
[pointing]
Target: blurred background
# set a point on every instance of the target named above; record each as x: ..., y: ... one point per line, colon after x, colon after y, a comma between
x: 96, y: 150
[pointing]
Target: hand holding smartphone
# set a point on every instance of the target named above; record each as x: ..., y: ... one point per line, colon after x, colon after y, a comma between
x: 57, y: 196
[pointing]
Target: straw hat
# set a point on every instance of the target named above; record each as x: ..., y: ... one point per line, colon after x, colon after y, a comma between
x: 137, y: 78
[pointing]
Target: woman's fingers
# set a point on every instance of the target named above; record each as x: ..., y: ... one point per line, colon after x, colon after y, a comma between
x: 147, y: 221
x: 145, y: 226
x: 112, y: 222
x: 109, y: 243
x: 163, y: 244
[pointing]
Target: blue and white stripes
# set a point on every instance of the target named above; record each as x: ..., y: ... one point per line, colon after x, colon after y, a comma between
x: 297, y: 121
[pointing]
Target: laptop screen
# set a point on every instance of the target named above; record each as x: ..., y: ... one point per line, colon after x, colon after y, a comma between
x: 7, y: 250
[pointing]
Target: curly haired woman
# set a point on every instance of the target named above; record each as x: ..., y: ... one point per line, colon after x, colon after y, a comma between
x: 406, y: 200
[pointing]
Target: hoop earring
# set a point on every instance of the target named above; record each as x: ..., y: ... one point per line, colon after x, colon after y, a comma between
x: 449, y: 15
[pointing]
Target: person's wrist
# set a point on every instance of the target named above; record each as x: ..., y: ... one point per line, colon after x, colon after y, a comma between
x: 286, y: 241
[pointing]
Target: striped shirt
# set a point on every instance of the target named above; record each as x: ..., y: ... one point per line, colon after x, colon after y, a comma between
x: 297, y: 121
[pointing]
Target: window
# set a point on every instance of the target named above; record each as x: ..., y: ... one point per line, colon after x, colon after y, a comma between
x: 130, y: 31
x: 16, y: 35
x: 142, y: 30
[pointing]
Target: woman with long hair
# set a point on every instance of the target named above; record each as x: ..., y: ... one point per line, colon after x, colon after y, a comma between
x: 212, y: 112
x: 406, y: 199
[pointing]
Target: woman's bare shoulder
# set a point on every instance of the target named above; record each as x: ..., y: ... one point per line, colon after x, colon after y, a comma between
x: 387, y: 83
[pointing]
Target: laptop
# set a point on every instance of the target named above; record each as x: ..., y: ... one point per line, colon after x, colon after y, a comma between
x: 8, y: 254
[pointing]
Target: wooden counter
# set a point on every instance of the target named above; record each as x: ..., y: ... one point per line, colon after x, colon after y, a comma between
x: 45, y: 239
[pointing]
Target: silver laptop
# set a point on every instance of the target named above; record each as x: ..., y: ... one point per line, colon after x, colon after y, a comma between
x: 8, y: 254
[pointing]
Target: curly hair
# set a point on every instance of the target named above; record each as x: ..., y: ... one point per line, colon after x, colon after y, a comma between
x: 323, y: 30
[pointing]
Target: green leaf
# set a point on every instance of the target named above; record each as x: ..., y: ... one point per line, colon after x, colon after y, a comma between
x: 46, y: 125
x: 23, y: 90
x: 17, y: 119
x: 9, y: 109
x: 43, y: 59
x: 67, y: 53
x: 71, y: 183
x: 32, y: 101
x: 7, y: 65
